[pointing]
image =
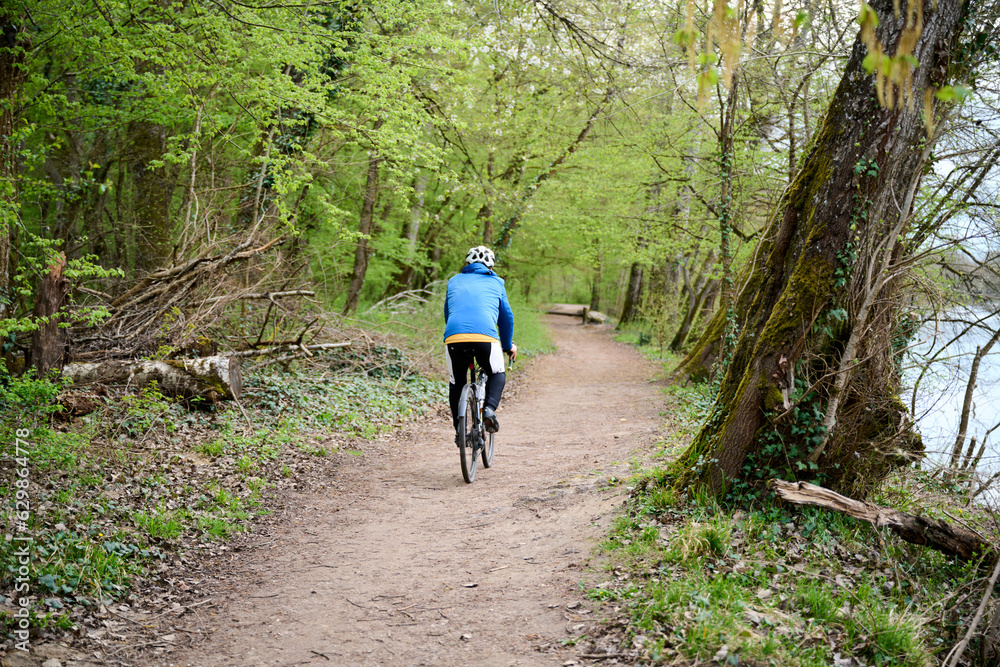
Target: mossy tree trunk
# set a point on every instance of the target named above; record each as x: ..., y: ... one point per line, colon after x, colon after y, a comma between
x: 595, y: 284
x: 152, y: 195
x: 827, y: 273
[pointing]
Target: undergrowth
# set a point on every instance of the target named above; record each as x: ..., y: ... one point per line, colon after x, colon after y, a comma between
x: 763, y: 583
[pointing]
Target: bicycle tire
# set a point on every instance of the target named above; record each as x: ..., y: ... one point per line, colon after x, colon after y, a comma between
x: 467, y: 434
x: 487, y: 449
x: 485, y: 438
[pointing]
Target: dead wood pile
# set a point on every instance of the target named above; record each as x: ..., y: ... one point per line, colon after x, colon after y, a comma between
x: 198, y: 326
x: 176, y: 307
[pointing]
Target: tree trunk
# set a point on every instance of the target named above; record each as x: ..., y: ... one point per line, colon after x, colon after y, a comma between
x: 153, y: 192
x: 48, y: 345
x: 833, y: 230
x: 700, y: 303
x: 633, y: 295
x: 404, y: 279
x: 365, y: 229
x: 595, y: 285
x: 698, y: 294
x: 11, y: 78
x: 208, y: 378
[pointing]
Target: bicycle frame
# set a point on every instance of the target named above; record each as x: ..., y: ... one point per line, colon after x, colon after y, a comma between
x: 478, y: 389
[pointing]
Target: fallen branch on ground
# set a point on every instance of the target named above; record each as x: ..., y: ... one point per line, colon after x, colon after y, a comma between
x: 939, y: 535
x: 262, y: 295
x: 289, y: 347
x: 956, y: 652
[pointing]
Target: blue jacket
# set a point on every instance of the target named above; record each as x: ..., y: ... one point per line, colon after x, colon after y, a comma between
x: 476, y: 303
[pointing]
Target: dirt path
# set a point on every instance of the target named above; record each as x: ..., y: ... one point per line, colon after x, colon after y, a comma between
x: 408, y: 565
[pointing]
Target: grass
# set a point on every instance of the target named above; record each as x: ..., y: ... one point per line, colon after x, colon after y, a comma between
x: 694, y: 578
x: 778, y: 585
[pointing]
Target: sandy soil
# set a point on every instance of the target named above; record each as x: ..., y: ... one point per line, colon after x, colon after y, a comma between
x: 402, y: 563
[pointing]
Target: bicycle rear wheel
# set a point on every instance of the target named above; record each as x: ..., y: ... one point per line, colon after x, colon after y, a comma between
x: 468, y: 434
x: 487, y: 437
x: 488, y: 450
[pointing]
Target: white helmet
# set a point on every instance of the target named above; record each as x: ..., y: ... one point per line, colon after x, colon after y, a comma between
x: 481, y: 254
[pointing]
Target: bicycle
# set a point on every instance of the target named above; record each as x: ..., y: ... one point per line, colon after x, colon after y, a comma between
x: 471, y: 434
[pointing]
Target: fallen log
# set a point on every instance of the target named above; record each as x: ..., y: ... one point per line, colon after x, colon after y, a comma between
x: 934, y: 533
x: 572, y: 309
x: 577, y: 310
x: 209, y: 378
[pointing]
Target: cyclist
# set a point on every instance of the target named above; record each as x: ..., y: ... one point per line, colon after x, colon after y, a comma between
x: 478, y: 325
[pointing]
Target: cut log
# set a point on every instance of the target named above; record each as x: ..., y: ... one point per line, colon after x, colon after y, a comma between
x: 571, y: 309
x: 577, y: 310
x: 210, y: 378
x: 939, y: 535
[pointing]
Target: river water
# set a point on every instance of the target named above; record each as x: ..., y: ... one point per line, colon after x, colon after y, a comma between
x: 941, y: 391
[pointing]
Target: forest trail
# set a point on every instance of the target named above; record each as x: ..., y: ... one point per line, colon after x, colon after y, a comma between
x: 405, y: 564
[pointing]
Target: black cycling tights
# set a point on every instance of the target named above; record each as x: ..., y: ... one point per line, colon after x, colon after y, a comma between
x: 460, y: 355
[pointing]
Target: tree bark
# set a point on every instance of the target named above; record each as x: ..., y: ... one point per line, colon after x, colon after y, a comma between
x: 698, y: 294
x: 153, y: 193
x: 633, y: 295
x: 813, y: 267
x: 595, y: 284
x: 209, y: 378
x: 48, y: 345
x: 939, y: 535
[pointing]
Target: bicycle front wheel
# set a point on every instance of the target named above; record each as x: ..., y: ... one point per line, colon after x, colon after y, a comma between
x: 468, y: 428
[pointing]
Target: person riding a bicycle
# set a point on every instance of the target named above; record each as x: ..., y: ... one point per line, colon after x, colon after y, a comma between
x: 479, y: 324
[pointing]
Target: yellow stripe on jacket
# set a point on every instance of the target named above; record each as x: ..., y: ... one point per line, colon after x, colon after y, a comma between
x: 470, y: 338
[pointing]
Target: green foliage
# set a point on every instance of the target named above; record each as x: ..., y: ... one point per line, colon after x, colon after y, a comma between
x: 36, y: 255
x: 24, y: 401
x: 775, y: 585
x: 531, y: 336
x: 364, y: 406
